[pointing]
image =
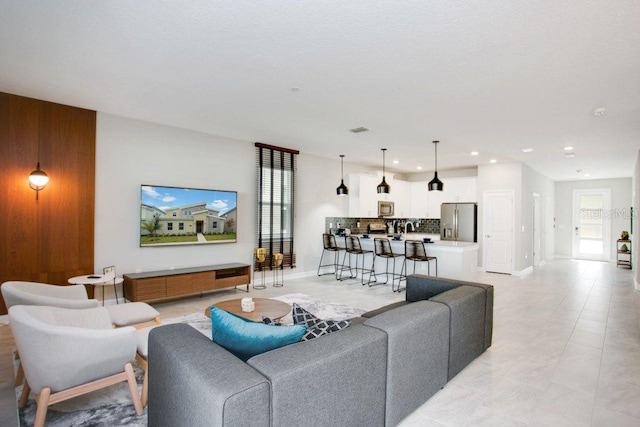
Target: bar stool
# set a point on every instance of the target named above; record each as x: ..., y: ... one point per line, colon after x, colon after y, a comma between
x: 329, y: 245
x: 414, y: 250
x: 353, y: 247
x: 383, y: 249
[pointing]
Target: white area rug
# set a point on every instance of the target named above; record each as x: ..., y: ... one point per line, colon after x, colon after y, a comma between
x: 112, y: 406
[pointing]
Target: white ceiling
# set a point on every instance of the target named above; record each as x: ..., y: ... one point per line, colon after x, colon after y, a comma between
x: 487, y: 75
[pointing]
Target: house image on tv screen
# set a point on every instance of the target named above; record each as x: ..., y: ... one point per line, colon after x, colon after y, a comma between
x: 198, y: 222
x: 185, y: 219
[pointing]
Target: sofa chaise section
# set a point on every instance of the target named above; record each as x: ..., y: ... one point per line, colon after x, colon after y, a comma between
x: 194, y: 382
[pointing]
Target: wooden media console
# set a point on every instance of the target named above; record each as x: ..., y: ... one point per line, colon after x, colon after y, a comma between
x: 180, y: 282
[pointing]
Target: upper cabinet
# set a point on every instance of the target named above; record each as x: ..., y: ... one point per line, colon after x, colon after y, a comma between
x: 411, y: 199
x: 460, y: 190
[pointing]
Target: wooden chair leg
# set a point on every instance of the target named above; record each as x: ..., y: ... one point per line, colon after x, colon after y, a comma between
x: 145, y: 387
x: 24, y: 397
x: 133, y: 388
x: 145, y: 383
x: 19, y: 375
x: 43, y: 406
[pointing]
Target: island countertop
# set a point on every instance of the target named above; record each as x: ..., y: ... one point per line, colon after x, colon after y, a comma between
x: 456, y: 260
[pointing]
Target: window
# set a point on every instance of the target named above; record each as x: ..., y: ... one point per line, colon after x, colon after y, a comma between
x: 169, y: 226
x: 276, y: 176
x: 181, y: 226
x: 174, y: 214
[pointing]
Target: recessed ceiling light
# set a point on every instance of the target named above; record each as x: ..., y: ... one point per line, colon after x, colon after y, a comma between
x: 527, y: 150
x: 419, y: 168
x: 586, y: 174
x: 598, y: 111
x: 474, y: 153
x: 568, y: 148
x: 359, y: 129
x: 570, y: 155
x: 395, y: 162
x: 493, y: 161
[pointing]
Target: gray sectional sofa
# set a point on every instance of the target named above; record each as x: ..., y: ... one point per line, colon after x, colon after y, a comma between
x: 375, y: 372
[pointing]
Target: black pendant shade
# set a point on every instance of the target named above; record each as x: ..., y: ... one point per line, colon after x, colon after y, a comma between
x: 383, y: 187
x: 342, y: 189
x: 435, y: 184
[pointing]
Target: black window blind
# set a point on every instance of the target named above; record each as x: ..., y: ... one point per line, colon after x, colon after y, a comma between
x: 276, y: 191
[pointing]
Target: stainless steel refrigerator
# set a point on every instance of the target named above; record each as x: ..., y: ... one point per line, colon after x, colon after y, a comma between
x: 459, y: 221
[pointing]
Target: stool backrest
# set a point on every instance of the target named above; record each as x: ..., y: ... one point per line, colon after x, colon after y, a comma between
x: 414, y: 249
x: 329, y: 241
x: 382, y: 246
x: 353, y: 244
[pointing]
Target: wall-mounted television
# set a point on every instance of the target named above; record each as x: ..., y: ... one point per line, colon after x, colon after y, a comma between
x: 187, y: 216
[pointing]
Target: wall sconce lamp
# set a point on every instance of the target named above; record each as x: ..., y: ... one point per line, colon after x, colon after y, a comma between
x: 38, y: 180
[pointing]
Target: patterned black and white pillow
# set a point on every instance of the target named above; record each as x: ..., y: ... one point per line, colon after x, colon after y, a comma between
x: 315, y: 327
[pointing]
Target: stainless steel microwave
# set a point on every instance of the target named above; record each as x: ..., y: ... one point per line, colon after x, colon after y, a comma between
x: 385, y: 208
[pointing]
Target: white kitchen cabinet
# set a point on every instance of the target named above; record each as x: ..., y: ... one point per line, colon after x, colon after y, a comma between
x: 363, y: 195
x: 401, y: 196
x: 460, y: 190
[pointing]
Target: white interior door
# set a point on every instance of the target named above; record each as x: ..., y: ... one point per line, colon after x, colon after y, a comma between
x: 537, y: 221
x: 591, y: 224
x: 497, y: 240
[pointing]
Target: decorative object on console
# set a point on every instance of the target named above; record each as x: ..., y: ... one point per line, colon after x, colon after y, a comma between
x: 435, y: 183
x: 624, y: 235
x: 179, y: 216
x: 342, y: 189
x: 383, y: 187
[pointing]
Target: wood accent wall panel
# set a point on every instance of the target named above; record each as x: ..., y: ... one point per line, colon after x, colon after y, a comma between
x: 51, y: 239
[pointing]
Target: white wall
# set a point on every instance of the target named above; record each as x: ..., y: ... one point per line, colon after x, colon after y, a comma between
x: 534, y: 182
x: 636, y: 219
x: 501, y: 176
x: 131, y: 152
x: 621, y: 199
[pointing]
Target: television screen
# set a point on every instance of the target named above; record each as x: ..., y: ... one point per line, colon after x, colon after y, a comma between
x: 186, y: 216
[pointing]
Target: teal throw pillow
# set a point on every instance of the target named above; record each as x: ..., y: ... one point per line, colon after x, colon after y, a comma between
x: 246, y: 339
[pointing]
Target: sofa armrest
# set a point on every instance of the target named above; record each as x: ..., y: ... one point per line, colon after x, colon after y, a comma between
x: 421, y: 287
x: 195, y: 382
x: 467, y: 308
x: 333, y: 380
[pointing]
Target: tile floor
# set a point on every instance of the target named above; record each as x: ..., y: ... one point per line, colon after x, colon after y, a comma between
x: 566, y: 347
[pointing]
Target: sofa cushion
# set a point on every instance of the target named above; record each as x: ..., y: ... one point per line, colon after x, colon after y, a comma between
x: 315, y: 327
x: 246, y: 339
x: 372, y: 313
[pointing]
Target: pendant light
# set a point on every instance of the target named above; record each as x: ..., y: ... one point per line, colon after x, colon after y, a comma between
x: 383, y: 187
x: 435, y: 183
x: 342, y: 189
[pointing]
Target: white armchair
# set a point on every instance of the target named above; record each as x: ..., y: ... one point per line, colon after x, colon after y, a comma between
x: 32, y: 293
x: 66, y: 353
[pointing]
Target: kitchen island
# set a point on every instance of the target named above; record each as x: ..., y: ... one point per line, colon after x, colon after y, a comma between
x: 456, y: 260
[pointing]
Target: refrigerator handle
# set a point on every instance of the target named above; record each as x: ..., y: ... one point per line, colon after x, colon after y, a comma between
x: 455, y: 224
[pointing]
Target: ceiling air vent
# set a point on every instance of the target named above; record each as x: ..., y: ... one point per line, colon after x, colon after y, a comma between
x: 360, y: 129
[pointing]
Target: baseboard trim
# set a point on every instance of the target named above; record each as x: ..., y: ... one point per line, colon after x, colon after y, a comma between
x: 524, y: 272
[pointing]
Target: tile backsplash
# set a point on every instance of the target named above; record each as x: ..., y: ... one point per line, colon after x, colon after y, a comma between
x: 359, y: 225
